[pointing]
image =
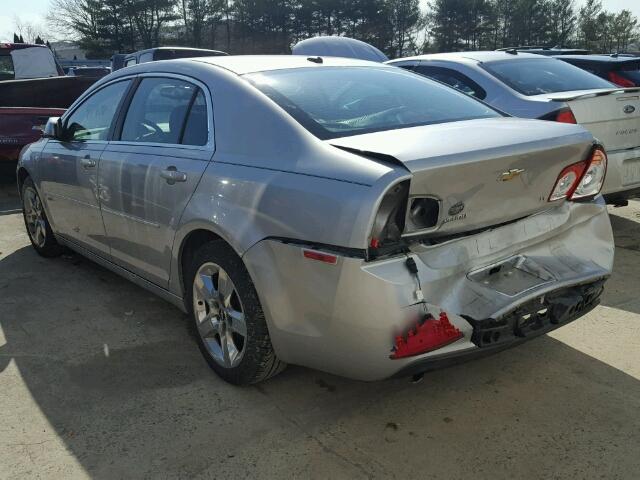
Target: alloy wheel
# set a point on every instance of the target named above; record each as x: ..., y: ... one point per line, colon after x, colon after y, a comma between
x: 34, y: 215
x: 219, y: 315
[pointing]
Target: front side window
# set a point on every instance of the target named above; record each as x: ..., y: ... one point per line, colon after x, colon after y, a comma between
x: 92, y: 120
x: 337, y: 102
x: 159, y: 109
x: 6, y: 68
x: 545, y: 75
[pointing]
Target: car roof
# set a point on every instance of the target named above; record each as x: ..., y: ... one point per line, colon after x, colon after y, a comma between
x: 182, y: 49
x: 339, y: 47
x: 602, y: 58
x: 475, y: 57
x: 242, y: 64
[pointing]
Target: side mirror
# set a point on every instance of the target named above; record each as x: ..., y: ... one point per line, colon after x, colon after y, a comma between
x: 53, y: 128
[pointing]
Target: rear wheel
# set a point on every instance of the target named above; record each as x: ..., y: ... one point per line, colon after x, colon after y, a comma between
x: 35, y: 219
x: 227, y: 316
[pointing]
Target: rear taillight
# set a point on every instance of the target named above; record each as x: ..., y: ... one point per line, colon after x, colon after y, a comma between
x: 388, y: 224
x: 583, y: 179
x: 620, y: 80
x: 593, y: 178
x: 565, y: 116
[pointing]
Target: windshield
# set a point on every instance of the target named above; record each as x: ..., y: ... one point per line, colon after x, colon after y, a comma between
x: 545, y: 75
x: 338, y: 102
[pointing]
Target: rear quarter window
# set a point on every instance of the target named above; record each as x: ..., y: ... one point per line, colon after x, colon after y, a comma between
x: 546, y: 75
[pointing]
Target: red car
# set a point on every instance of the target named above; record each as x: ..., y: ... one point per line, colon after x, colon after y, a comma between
x: 32, y: 89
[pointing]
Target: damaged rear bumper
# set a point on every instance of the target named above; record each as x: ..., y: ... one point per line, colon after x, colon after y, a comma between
x: 499, y: 288
x: 534, y: 318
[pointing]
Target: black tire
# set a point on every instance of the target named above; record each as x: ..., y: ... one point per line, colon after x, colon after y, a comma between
x: 259, y: 361
x: 49, y: 247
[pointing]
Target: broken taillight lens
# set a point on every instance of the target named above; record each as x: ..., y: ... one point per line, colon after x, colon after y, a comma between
x: 583, y: 179
x: 389, y: 221
x: 426, y: 336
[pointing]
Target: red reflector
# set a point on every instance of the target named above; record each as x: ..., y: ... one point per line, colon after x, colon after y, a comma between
x: 319, y: 256
x: 566, y: 116
x: 426, y: 337
x: 620, y: 80
x: 375, y: 243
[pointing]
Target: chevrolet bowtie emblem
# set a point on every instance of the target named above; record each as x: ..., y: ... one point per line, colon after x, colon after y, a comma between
x: 510, y: 174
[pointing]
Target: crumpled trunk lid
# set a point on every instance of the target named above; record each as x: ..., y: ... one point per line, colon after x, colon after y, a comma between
x: 612, y: 116
x: 481, y: 172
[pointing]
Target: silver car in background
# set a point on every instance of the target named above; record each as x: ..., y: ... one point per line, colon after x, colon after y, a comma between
x: 338, y: 214
x: 532, y: 86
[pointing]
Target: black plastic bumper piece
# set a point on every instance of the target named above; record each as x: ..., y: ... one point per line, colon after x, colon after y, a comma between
x: 529, y: 320
x: 621, y: 199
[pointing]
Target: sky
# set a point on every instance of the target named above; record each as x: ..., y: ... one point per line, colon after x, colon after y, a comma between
x: 35, y: 11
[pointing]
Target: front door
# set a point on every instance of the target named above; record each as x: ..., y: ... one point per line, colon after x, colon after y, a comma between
x: 68, y: 171
x: 151, y: 169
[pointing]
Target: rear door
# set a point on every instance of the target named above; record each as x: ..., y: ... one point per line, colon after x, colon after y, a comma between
x: 162, y: 145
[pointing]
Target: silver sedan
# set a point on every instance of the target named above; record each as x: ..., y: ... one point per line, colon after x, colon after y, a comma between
x: 338, y: 214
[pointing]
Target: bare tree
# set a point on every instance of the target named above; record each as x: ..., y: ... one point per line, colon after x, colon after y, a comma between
x: 28, y: 31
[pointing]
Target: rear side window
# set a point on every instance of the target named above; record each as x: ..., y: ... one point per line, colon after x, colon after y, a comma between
x: 456, y: 79
x: 146, y: 57
x: 92, y: 120
x: 545, y: 75
x: 159, y: 111
x: 6, y: 68
x: 333, y: 102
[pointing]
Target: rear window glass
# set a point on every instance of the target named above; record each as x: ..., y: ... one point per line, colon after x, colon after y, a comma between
x: 6, y: 68
x: 545, y: 75
x: 339, y: 102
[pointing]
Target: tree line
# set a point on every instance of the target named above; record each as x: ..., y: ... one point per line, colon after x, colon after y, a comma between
x: 397, y: 27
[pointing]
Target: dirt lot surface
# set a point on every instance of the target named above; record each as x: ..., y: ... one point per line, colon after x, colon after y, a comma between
x: 100, y: 379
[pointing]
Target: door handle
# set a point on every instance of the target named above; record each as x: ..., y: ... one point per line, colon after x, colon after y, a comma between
x: 172, y: 175
x: 88, y: 162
